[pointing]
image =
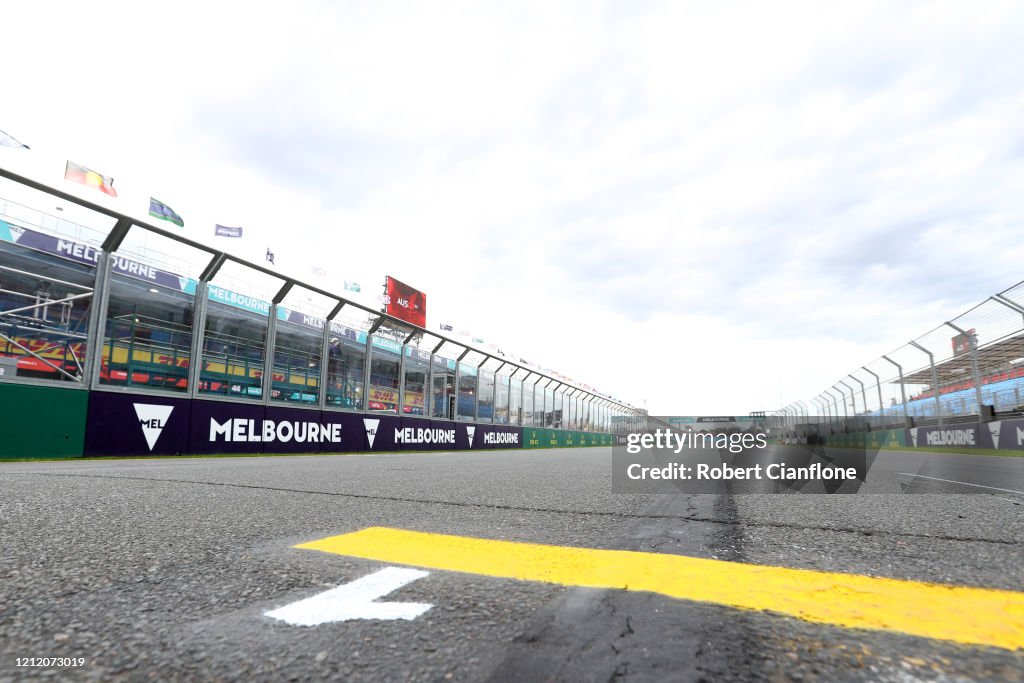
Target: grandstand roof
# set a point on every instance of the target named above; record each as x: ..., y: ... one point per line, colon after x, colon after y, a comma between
x: 992, y: 358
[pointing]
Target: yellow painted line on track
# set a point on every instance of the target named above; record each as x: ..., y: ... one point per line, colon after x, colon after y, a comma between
x: 976, y: 616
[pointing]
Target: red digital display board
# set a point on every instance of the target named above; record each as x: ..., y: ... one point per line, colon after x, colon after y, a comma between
x: 405, y: 303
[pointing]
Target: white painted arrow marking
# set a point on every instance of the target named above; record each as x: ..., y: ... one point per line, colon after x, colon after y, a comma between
x: 355, y: 600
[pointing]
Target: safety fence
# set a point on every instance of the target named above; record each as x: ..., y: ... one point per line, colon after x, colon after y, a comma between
x: 969, y: 369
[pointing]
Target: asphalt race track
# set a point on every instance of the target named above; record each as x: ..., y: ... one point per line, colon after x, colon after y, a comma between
x: 165, y: 569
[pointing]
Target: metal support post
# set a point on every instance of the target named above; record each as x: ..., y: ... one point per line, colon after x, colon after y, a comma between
x: 195, y: 361
x: 935, y: 379
x: 267, y: 383
x: 853, y: 398
x: 903, y: 391
x: 878, y: 383
x: 972, y: 345
x: 98, y: 321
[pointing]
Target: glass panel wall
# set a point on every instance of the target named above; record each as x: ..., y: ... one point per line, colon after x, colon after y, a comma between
x: 549, y: 408
x: 467, y: 392
x: 443, y: 392
x: 297, y: 352
x: 384, y: 375
x: 45, y: 306
x: 486, y: 396
x: 515, y: 401
x: 346, y: 369
x: 500, y: 399
x: 529, y: 385
x: 147, y: 341
x: 235, y: 338
x: 416, y: 368
x: 234, y: 349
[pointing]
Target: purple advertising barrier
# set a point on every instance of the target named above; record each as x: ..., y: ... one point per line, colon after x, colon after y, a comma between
x: 497, y: 436
x: 464, y: 433
x: 940, y: 436
x: 1002, y: 434
x: 353, y: 432
x: 379, y: 432
x: 450, y: 430
x: 223, y: 427
x: 300, y: 430
x: 419, y: 434
x: 134, y: 424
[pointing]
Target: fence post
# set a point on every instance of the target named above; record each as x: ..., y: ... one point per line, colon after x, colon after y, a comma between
x: 878, y: 384
x: 972, y: 347
x: 903, y: 391
x: 935, y: 379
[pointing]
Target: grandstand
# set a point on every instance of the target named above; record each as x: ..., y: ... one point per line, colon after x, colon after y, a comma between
x: 115, y: 309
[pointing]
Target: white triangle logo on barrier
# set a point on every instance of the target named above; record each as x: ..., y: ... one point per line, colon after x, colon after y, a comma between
x: 913, y: 435
x: 152, y: 419
x: 371, y: 429
x: 470, y: 431
x: 994, y: 429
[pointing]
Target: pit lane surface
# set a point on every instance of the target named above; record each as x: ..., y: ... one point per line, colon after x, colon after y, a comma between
x: 164, y: 569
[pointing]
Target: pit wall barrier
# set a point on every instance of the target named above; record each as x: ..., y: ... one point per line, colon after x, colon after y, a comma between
x: 885, y: 439
x: 51, y: 422
x: 1005, y: 435
x: 42, y: 422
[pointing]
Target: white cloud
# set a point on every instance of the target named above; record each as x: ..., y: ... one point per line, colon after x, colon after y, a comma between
x: 713, y: 207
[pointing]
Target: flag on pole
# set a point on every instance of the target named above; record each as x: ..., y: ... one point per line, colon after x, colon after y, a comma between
x: 225, y: 231
x: 8, y: 141
x: 157, y: 209
x: 86, y: 176
x: 270, y: 256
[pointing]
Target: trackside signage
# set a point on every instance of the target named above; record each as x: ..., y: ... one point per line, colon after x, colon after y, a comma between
x: 239, y: 428
x: 497, y: 436
x: 133, y: 424
x: 421, y: 436
x: 960, y: 435
x: 269, y: 431
x: 130, y: 424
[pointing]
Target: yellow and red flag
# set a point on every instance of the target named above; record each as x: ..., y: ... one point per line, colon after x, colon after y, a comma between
x: 87, y: 176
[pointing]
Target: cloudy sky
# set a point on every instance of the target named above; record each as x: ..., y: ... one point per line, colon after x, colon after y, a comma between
x: 707, y: 207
